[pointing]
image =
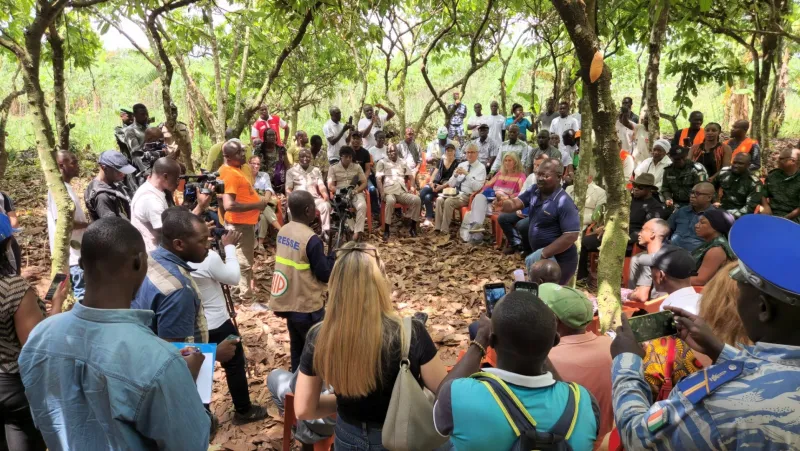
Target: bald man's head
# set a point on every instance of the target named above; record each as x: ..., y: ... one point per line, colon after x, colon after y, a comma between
x: 165, y: 174
x: 788, y: 160
x: 233, y: 151
x: 654, y: 230
x: 739, y: 129
x: 544, y: 271
x: 741, y: 163
x: 702, y: 196
x: 153, y: 134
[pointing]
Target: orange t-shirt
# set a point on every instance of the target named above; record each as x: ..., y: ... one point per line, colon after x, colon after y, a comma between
x: 237, y: 183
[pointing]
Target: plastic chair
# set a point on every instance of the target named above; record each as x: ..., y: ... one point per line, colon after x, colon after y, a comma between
x: 465, y: 209
x: 289, y: 420
x: 400, y: 206
x: 279, y: 212
x: 498, y: 232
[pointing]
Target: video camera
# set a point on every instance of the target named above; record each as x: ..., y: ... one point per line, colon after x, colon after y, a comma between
x: 200, y: 180
x: 152, y: 152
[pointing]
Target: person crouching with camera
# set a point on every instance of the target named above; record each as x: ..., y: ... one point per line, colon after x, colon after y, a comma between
x: 342, y: 175
x: 241, y: 205
x: 209, y: 277
x: 302, y: 269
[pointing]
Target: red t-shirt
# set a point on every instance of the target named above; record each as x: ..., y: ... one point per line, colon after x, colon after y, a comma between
x: 260, y: 126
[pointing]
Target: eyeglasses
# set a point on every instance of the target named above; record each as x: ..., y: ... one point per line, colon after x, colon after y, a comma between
x: 367, y: 250
x: 698, y: 194
x: 744, y: 275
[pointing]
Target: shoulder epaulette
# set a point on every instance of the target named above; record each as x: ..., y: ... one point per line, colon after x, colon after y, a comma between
x: 699, y: 385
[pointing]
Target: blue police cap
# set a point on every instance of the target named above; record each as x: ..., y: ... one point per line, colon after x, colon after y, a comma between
x: 768, y: 248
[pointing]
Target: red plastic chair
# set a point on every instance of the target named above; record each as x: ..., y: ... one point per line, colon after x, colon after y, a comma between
x: 289, y: 420
x: 279, y: 212
x: 400, y: 206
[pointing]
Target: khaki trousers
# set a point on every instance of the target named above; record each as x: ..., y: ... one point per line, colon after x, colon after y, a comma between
x: 414, y: 204
x: 361, y: 212
x: 324, y: 209
x: 265, y: 218
x: 444, y: 210
x: 245, y: 253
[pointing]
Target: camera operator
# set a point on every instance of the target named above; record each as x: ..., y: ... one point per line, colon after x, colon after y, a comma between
x: 341, y: 175
x: 241, y: 206
x: 104, y: 196
x: 153, y: 197
x: 209, y: 277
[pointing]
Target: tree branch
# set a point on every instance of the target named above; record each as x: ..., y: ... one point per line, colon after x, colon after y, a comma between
x: 276, y: 69
x: 121, y: 31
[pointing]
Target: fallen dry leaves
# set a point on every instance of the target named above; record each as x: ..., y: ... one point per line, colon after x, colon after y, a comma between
x: 430, y: 274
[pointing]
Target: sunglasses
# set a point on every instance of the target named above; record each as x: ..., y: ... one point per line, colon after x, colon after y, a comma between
x: 744, y: 275
x: 367, y: 250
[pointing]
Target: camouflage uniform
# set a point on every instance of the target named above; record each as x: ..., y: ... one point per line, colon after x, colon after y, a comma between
x: 678, y: 183
x: 783, y: 192
x: 740, y: 193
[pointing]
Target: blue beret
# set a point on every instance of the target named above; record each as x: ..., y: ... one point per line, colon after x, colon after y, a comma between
x: 769, y: 246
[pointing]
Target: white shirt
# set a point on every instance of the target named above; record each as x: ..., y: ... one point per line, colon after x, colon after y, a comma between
x: 562, y: 124
x: 685, y: 298
x: 625, y: 136
x: 657, y: 169
x: 595, y: 197
x: 628, y: 165
x: 331, y: 130
x: 77, y: 235
x: 472, y: 181
x: 208, y: 275
x: 146, y: 207
x: 369, y: 140
x: 262, y: 182
x: 530, y: 181
x: 476, y: 121
x: 378, y: 153
x: 496, y: 124
x: 567, y: 154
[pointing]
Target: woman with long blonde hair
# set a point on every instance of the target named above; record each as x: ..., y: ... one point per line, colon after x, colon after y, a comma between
x: 506, y: 184
x: 356, y: 350
x: 718, y: 307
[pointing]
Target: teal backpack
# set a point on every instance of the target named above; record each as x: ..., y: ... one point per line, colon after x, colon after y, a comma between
x: 524, y: 426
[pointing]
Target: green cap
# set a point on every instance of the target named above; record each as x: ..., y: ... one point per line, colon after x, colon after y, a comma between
x: 571, y: 306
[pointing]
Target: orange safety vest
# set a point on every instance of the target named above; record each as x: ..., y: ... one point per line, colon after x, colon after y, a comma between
x: 744, y: 147
x: 698, y: 138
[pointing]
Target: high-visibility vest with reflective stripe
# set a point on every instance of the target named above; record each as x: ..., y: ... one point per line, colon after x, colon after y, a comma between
x: 698, y: 138
x: 294, y: 287
x: 744, y: 147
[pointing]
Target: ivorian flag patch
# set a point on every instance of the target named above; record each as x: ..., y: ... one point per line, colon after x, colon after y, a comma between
x: 657, y: 420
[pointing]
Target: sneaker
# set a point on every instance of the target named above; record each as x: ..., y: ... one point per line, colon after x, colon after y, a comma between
x: 255, y: 413
x: 478, y: 228
x: 427, y: 223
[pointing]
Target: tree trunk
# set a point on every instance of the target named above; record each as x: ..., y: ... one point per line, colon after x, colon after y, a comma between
x: 59, y: 85
x: 760, y: 121
x: 615, y: 239
x: 657, y: 35
x: 401, y: 100
x: 5, y: 107
x: 581, y: 179
x: 779, y: 93
x: 222, y: 94
x: 237, y: 106
x: 295, y: 113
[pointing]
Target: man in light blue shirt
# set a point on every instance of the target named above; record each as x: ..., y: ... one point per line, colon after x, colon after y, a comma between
x: 97, y: 377
x: 682, y: 222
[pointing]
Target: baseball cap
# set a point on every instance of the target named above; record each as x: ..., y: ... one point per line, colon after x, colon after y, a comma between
x: 678, y: 152
x: 675, y: 261
x: 125, y: 110
x: 6, y: 230
x: 767, y: 249
x: 442, y: 133
x: 571, y: 306
x: 116, y: 160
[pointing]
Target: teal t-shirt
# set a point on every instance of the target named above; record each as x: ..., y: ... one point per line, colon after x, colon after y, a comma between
x: 479, y: 424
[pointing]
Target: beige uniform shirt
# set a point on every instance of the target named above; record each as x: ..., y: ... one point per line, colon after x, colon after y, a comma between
x: 394, y: 175
x: 342, y: 177
x: 172, y: 143
x: 309, y: 180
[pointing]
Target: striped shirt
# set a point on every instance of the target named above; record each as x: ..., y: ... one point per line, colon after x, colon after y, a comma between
x: 749, y: 399
x: 12, y: 290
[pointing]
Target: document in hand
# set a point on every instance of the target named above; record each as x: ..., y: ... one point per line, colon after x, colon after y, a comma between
x: 205, y: 379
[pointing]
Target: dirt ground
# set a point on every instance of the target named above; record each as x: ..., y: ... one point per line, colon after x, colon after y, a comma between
x: 428, y: 275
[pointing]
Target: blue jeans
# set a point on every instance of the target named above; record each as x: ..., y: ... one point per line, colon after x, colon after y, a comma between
x: 373, y: 198
x: 428, y: 196
x: 357, y: 438
x: 78, y: 284
x: 515, y: 230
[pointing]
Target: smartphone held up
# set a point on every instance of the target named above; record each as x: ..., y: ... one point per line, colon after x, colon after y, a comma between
x: 652, y: 326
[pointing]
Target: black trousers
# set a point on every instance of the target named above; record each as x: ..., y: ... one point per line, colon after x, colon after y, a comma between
x: 298, y: 325
x: 235, y: 368
x: 18, y: 432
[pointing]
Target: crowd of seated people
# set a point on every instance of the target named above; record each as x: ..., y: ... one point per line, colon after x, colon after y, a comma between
x: 552, y: 377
